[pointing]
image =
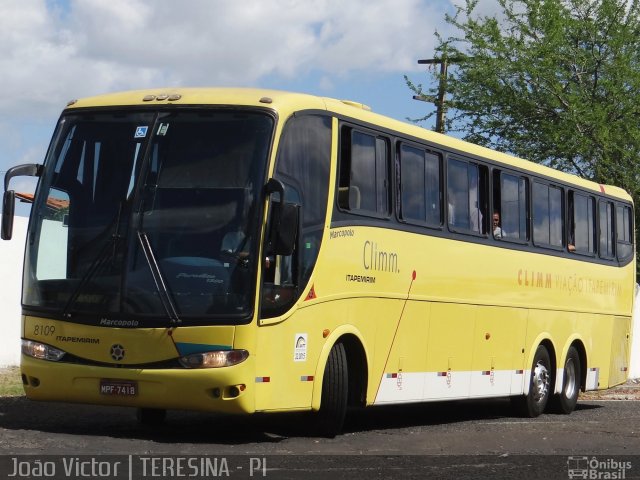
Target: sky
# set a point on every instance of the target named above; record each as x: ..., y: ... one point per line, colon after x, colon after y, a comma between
x: 57, y: 50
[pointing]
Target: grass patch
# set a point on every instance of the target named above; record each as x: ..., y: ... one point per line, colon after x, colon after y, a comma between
x: 10, y: 382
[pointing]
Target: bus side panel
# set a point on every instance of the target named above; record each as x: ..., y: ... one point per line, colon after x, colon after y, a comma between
x: 286, y: 369
x: 449, y: 351
x: 598, y: 334
x: 619, y: 366
x: 404, y: 371
x: 498, y: 352
x: 558, y: 327
x: 547, y: 326
x: 284, y: 365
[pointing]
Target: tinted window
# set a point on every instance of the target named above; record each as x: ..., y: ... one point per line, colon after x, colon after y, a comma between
x: 466, y: 196
x: 547, y: 215
x: 582, y: 217
x: 606, y: 230
x: 512, y: 211
x: 303, y: 167
x: 364, y: 173
x: 420, y: 194
x: 624, y: 232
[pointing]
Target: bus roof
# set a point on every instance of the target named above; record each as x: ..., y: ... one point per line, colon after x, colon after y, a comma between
x: 285, y: 103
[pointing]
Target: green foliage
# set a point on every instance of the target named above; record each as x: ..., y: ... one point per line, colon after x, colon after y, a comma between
x: 59, y: 214
x: 553, y: 81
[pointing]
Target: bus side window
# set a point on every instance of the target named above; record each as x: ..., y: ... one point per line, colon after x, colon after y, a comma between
x: 420, y: 186
x: 467, y: 196
x: 582, y: 224
x: 548, y: 217
x: 510, y: 200
x: 364, y: 173
x: 624, y: 232
x: 606, y: 230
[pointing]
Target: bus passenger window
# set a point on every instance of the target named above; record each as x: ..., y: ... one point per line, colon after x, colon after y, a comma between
x: 581, y: 223
x: 606, y: 230
x: 624, y: 232
x: 364, y: 173
x: 510, y: 200
x: 420, y: 191
x: 547, y: 215
x: 466, y: 196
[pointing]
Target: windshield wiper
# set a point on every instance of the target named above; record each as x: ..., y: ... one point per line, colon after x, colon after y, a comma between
x: 98, y: 262
x: 158, y: 279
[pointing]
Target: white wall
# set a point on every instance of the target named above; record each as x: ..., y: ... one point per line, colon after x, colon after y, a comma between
x: 11, y: 259
x: 634, y: 364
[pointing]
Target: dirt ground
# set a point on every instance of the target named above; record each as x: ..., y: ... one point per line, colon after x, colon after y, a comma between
x: 627, y: 391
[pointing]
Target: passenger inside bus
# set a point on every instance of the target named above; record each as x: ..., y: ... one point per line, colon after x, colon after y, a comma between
x: 497, y: 229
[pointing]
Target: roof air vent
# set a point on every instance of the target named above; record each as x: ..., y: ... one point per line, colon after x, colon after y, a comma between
x: 357, y: 105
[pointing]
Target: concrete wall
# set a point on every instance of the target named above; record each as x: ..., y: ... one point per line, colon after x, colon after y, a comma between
x: 11, y: 259
x: 634, y: 365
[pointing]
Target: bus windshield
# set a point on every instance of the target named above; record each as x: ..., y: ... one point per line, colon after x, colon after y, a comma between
x: 149, y: 215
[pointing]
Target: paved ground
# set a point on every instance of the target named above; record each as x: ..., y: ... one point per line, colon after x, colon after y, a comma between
x: 470, y: 439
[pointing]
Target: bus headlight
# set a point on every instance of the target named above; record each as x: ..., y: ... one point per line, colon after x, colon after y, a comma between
x: 216, y: 359
x: 41, y: 350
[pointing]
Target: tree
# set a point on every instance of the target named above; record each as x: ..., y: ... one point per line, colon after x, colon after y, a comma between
x: 553, y: 81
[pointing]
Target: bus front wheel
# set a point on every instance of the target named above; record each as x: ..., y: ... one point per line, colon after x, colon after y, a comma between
x: 540, y: 384
x: 566, y: 401
x: 333, y: 403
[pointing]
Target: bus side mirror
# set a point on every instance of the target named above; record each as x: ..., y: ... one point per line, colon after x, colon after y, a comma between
x: 284, y: 229
x: 8, y: 209
x: 283, y: 224
x: 9, y: 197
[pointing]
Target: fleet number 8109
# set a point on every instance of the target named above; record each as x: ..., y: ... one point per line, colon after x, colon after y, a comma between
x: 44, y: 330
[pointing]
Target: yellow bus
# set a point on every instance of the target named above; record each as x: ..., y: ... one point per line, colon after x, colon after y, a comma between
x: 244, y: 250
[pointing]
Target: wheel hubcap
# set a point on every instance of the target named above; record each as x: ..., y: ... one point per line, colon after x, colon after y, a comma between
x: 540, y: 383
x: 569, y: 379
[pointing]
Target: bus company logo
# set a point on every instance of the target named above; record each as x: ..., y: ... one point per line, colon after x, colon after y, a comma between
x: 376, y: 259
x: 593, y: 468
x: 572, y: 283
x: 117, y: 352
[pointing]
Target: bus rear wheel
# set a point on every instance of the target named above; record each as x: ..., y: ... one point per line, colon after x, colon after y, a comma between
x: 335, y: 386
x: 566, y: 401
x: 540, y: 384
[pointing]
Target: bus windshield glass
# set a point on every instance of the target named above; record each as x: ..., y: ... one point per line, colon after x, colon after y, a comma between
x: 148, y: 216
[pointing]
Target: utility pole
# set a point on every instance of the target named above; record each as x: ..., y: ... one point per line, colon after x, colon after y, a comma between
x: 442, y: 88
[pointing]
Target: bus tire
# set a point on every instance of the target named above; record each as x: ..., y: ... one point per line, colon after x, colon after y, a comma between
x: 333, y: 402
x: 151, y: 417
x: 540, y: 384
x: 565, y: 402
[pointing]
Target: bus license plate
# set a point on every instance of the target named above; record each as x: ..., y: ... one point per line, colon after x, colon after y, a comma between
x: 123, y: 388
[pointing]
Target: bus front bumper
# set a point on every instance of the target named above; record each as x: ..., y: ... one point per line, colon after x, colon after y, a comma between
x: 224, y: 390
